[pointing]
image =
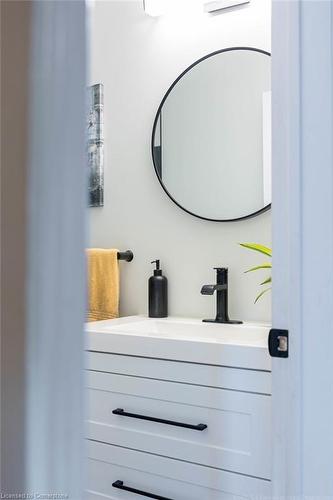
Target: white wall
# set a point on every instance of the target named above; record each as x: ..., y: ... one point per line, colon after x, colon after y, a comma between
x: 137, y: 58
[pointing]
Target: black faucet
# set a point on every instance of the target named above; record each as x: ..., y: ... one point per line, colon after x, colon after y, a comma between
x: 221, y: 289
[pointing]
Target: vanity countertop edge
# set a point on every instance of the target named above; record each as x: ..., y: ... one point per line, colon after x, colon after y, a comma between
x: 110, y: 336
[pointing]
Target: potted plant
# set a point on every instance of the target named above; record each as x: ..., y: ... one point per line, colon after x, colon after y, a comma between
x: 265, y: 265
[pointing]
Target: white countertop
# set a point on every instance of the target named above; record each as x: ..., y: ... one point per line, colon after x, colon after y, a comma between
x: 183, y: 339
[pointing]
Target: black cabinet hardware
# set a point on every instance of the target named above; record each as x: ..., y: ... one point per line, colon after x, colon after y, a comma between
x: 121, y: 412
x: 120, y: 485
x: 278, y: 345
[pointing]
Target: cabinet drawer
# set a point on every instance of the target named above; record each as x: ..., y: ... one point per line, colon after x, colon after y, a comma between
x: 177, y: 371
x: 237, y: 437
x: 162, y: 477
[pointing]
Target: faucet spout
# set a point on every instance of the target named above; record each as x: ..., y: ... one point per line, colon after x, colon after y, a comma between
x: 207, y: 290
x: 210, y: 289
x: 221, y: 289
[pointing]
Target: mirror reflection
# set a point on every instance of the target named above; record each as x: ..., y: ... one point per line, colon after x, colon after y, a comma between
x: 211, y: 139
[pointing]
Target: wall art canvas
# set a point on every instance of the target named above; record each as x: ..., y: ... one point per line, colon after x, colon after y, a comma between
x: 95, y: 147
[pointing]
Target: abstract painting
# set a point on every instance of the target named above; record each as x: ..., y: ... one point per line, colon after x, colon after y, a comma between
x: 95, y: 147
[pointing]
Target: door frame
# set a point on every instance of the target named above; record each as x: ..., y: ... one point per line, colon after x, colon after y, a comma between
x: 57, y: 201
x: 302, y: 76
x: 302, y: 119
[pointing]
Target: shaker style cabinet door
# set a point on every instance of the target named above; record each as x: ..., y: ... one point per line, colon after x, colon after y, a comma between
x: 219, y: 428
x: 114, y: 472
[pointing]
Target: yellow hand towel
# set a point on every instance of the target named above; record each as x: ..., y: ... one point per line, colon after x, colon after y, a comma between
x: 103, y: 284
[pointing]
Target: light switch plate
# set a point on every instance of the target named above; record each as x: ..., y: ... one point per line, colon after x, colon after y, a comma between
x: 213, y: 6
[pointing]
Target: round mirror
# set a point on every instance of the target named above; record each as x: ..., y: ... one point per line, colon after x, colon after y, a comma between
x: 211, y: 141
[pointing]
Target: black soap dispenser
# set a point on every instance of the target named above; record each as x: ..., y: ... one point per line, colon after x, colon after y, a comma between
x: 158, y: 293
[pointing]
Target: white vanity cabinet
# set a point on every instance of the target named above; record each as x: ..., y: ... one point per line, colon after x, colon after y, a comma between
x: 173, y: 428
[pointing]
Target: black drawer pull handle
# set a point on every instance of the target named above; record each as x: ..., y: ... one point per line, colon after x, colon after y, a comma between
x: 198, y: 427
x: 120, y: 485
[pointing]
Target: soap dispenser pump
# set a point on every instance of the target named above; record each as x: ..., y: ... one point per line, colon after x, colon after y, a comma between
x: 158, y: 293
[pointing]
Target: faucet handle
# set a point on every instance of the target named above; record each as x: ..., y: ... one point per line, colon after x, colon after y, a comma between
x: 221, y: 275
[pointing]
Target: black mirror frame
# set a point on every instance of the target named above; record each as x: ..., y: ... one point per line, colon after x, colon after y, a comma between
x: 254, y: 214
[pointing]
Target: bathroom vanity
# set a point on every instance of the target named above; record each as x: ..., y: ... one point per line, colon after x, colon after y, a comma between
x: 177, y: 410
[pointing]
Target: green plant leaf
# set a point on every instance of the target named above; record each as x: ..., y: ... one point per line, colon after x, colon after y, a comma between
x: 258, y: 248
x: 268, y: 280
x: 266, y: 265
x: 261, y: 294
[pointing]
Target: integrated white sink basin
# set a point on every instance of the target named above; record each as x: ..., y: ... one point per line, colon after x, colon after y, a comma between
x: 190, y: 329
x: 242, y: 345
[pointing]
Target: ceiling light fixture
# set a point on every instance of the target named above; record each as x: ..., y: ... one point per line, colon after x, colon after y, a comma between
x: 213, y: 6
x: 154, y: 8
x: 157, y: 8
